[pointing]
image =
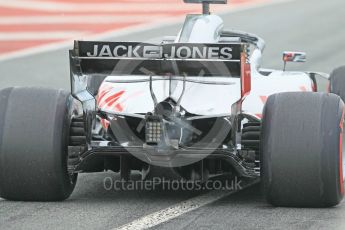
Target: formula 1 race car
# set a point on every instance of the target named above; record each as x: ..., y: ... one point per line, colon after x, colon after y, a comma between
x: 198, y: 104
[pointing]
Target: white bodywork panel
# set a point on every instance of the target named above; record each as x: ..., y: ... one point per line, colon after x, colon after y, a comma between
x: 210, y: 25
x: 201, y: 99
x: 276, y: 82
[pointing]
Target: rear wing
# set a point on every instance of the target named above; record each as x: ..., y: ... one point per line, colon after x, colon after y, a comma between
x: 115, y: 58
x: 95, y: 59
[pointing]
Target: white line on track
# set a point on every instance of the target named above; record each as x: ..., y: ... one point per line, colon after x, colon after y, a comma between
x: 51, y: 35
x: 76, y: 19
x: 172, y: 212
x: 126, y: 31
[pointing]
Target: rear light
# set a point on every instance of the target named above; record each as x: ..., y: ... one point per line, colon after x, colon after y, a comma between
x: 154, y: 130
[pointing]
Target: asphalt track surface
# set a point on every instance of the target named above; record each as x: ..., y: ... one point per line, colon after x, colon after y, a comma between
x: 316, y: 27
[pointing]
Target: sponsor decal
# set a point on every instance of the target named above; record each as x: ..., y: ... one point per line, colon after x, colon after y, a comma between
x: 166, y: 51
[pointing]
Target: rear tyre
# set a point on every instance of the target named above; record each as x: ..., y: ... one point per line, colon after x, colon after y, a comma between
x: 301, y: 150
x: 337, y: 82
x: 34, y: 131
